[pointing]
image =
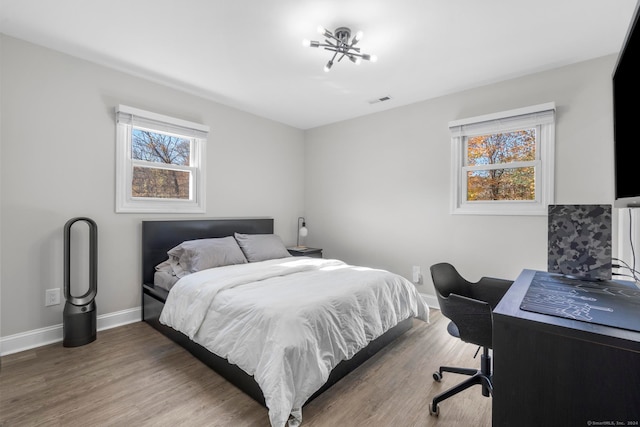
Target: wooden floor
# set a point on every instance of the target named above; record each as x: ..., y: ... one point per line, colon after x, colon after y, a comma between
x: 134, y: 376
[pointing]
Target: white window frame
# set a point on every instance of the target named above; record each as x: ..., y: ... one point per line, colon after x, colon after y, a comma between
x: 542, y: 117
x: 129, y: 117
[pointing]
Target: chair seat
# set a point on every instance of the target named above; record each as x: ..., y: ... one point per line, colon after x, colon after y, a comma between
x: 452, y: 328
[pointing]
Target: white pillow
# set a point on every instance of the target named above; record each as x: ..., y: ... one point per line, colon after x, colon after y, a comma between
x: 261, y: 247
x: 197, y: 255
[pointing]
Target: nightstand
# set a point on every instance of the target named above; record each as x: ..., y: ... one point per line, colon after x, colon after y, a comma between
x: 312, y: 252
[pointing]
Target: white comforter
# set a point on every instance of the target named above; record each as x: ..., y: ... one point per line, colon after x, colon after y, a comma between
x: 290, y: 321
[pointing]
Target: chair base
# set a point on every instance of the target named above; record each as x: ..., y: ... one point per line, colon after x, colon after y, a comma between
x: 483, y: 376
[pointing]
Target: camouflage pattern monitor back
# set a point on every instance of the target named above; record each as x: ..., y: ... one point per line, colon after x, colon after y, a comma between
x: 580, y: 241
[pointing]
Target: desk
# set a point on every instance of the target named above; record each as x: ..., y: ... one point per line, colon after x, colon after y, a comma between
x: 553, y: 371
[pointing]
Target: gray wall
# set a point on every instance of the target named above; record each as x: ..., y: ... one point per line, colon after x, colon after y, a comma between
x: 58, y: 162
x: 377, y: 188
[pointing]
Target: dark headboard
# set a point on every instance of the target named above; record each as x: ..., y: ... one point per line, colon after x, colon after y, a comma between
x: 160, y: 236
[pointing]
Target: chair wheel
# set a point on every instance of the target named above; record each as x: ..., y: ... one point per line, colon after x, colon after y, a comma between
x: 434, y: 410
x: 437, y: 376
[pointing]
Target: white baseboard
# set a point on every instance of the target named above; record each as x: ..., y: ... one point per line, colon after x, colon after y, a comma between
x: 431, y: 300
x: 52, y: 334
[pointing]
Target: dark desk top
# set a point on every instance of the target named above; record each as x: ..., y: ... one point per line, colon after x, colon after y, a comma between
x: 509, y: 308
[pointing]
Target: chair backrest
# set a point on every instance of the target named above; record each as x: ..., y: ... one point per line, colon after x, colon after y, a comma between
x: 447, y: 280
x: 472, y: 317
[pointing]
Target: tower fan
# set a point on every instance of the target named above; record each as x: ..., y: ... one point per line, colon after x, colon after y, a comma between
x: 79, y: 315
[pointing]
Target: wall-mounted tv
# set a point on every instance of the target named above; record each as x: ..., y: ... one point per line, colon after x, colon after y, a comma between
x: 626, y: 118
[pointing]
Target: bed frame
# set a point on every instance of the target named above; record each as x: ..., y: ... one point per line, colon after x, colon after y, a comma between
x: 160, y: 236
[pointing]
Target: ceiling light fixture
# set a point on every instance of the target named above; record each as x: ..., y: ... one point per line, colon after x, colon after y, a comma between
x: 341, y: 44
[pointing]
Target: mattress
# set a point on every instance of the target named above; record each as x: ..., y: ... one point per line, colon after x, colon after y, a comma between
x: 164, y: 280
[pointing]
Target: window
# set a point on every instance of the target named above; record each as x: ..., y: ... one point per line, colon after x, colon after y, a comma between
x: 159, y: 163
x: 502, y: 164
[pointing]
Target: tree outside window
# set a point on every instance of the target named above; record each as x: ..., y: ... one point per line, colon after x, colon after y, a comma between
x: 504, y: 182
x: 160, y: 149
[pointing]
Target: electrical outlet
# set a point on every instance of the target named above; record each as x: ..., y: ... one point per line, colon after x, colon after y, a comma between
x: 417, y: 275
x: 52, y: 297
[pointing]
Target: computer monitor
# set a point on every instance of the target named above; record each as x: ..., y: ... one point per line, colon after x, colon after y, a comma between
x: 580, y: 241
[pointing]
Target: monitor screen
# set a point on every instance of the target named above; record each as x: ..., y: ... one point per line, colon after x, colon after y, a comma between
x: 626, y: 90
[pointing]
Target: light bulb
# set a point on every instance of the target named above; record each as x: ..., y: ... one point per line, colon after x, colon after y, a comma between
x: 328, y: 66
x: 373, y: 58
x: 358, y: 36
x: 306, y: 42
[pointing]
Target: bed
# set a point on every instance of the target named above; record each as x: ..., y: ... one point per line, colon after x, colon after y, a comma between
x: 158, y: 237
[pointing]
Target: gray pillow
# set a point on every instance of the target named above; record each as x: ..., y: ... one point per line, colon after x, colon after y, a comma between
x: 261, y: 247
x: 197, y: 255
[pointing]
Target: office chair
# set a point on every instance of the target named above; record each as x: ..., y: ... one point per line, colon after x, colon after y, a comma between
x: 468, y: 305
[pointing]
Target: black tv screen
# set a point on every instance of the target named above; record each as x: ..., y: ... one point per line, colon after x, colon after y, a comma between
x: 626, y: 118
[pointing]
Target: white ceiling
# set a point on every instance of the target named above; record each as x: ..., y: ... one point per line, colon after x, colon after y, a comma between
x: 248, y: 53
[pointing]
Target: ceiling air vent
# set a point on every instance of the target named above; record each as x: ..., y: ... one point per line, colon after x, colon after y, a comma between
x: 382, y: 99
